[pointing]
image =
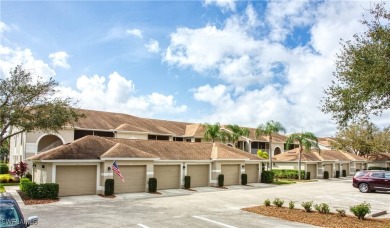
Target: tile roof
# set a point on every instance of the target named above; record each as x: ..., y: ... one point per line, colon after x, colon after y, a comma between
x: 95, y: 147
x: 314, y: 155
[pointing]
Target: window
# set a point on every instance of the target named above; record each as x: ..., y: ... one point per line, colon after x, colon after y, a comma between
x: 198, y: 140
x: 178, y: 139
x: 387, y: 175
x: 378, y: 175
x: 158, y: 137
x: 81, y: 133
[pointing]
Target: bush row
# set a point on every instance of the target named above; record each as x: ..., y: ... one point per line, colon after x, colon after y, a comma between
x: 6, y: 178
x: 378, y: 168
x: 39, y: 191
x: 287, y: 174
x: 360, y: 210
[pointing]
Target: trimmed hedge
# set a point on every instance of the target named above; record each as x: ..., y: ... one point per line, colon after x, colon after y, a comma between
x: 267, y: 177
x: 29, y: 176
x: 152, y: 184
x: 344, y: 173
x: 109, y: 187
x: 4, y: 168
x: 377, y: 168
x: 326, y: 175
x: 337, y: 173
x: 22, y: 183
x: 244, y: 179
x: 187, y: 182
x: 5, y: 178
x: 221, y: 180
x: 41, y: 191
x: 287, y: 174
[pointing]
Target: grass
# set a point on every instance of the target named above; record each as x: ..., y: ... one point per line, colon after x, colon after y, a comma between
x: 290, y: 181
x: 318, y: 219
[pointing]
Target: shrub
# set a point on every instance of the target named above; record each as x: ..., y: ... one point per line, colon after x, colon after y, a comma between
x: 322, y: 208
x: 344, y: 173
x: 267, y: 177
x: 291, y: 204
x: 22, y: 184
x: 267, y: 202
x: 341, y: 212
x: 278, y: 202
x: 376, y: 168
x: 287, y: 174
x: 244, y: 179
x: 307, y: 205
x: 221, y: 179
x: 187, y: 182
x: 20, y: 169
x: 5, y: 178
x: 337, y: 173
x: 326, y: 175
x: 109, y: 187
x: 361, y: 210
x: 152, y: 184
x: 4, y: 168
x: 40, y: 191
x: 307, y: 175
x: 29, y: 176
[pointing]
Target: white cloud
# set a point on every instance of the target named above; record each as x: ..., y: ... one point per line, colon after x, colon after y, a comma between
x: 223, y: 4
x: 10, y: 58
x: 134, y: 32
x: 60, y: 59
x: 153, y: 46
x: 116, y: 93
x: 3, y: 27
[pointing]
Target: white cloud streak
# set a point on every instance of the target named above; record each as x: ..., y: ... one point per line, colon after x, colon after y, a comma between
x: 135, y: 32
x: 60, y: 59
x: 153, y: 46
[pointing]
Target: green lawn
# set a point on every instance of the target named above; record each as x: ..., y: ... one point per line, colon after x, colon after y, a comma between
x: 289, y: 181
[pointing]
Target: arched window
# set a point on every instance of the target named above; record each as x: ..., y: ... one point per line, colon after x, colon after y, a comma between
x: 48, y: 142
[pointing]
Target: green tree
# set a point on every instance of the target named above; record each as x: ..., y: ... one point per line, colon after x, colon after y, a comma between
x: 236, y: 132
x: 306, y: 141
x: 362, y: 85
x: 362, y: 138
x: 28, y: 105
x: 213, y: 132
x: 4, y: 151
x: 262, y: 154
x: 267, y: 129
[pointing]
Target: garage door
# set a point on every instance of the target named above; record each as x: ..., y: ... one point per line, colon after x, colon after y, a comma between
x: 76, y: 180
x: 312, y: 168
x: 231, y: 173
x: 135, y: 179
x: 329, y: 168
x: 168, y: 176
x: 199, y: 175
x: 358, y: 166
x: 252, y: 172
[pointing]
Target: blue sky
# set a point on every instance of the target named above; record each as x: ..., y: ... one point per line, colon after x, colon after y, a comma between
x: 242, y: 62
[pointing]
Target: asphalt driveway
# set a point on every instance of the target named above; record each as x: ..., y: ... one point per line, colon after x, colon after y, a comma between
x: 206, y: 207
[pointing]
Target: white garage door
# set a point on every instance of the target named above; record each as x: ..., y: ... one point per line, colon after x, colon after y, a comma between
x: 135, y: 179
x: 168, y: 176
x: 199, y: 175
x: 76, y: 180
x: 252, y: 172
x: 231, y: 173
x: 312, y: 168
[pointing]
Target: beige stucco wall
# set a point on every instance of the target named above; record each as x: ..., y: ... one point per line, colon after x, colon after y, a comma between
x: 132, y: 135
x: 288, y: 165
x: 216, y: 169
x: 67, y: 135
x: 42, y: 172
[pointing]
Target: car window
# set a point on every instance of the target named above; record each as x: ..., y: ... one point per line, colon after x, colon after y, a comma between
x: 387, y: 175
x: 9, y: 216
x: 378, y: 175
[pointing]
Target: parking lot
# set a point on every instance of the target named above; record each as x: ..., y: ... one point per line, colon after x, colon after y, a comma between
x: 205, y: 207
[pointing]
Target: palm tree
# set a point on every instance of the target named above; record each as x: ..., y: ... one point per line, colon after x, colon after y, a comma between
x: 268, y: 129
x: 236, y: 132
x: 306, y: 140
x: 213, y: 131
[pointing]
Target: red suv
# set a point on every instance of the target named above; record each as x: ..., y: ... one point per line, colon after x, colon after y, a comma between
x: 372, y: 180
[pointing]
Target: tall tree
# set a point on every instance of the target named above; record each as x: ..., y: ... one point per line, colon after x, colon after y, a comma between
x: 236, y: 132
x: 362, y: 138
x: 267, y: 129
x: 306, y: 141
x: 212, y: 132
x: 31, y: 105
x: 362, y: 85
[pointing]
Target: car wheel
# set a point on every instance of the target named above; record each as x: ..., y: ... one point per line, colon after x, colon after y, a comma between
x: 363, y: 187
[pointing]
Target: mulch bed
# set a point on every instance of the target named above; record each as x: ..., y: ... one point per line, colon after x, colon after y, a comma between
x: 28, y: 201
x: 315, y: 218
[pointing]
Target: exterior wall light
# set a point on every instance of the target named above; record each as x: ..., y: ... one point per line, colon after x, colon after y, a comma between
x: 109, y: 168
